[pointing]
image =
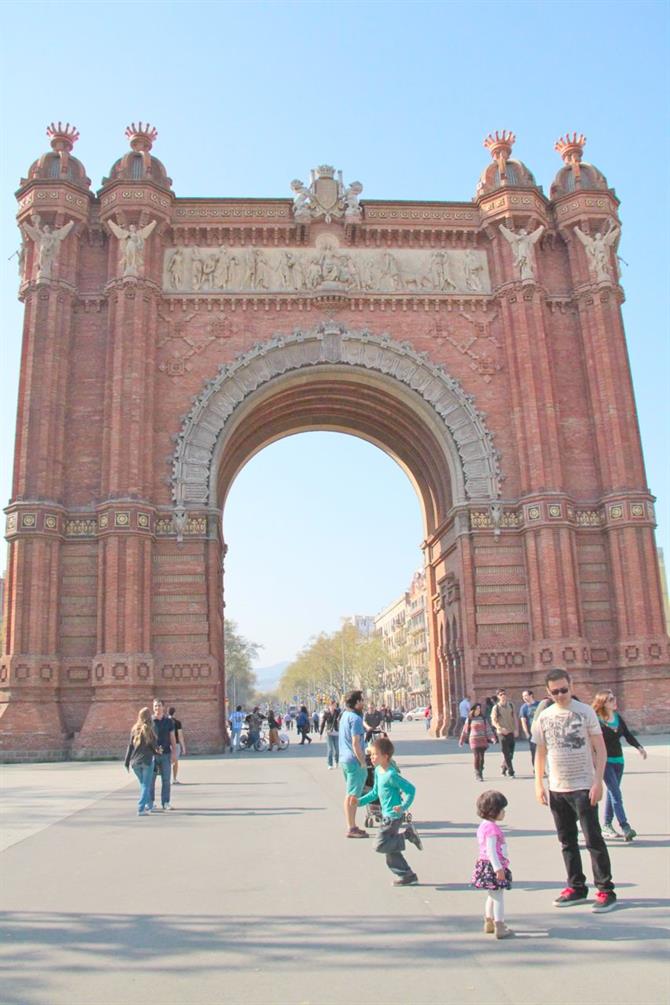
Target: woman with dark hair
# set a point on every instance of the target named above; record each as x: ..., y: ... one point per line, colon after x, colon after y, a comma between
x: 614, y: 727
x: 477, y: 731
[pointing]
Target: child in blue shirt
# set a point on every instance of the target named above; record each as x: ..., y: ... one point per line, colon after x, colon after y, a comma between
x: 396, y: 795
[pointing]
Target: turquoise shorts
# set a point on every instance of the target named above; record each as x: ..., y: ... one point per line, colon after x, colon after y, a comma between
x: 354, y: 776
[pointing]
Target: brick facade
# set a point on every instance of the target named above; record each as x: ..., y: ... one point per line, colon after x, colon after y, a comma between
x: 495, y: 371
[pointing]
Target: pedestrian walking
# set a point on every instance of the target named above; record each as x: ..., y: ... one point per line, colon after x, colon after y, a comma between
x: 315, y: 721
x: 506, y: 725
x: 428, y: 714
x: 330, y: 723
x: 302, y: 725
x: 140, y: 757
x: 614, y: 727
x: 569, y: 738
x: 526, y: 716
x: 464, y: 707
x: 477, y: 732
x: 492, y: 872
x: 163, y: 727
x: 236, y: 723
x: 387, y: 718
x: 179, y: 744
x: 352, y: 759
x: 372, y: 720
x: 273, y: 731
x: 395, y: 795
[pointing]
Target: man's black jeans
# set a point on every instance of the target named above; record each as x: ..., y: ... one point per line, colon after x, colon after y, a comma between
x: 507, y: 750
x: 567, y: 808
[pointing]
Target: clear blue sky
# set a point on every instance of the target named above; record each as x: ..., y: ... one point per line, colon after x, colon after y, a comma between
x: 247, y: 97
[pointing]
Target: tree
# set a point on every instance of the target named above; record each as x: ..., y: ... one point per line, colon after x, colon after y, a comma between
x: 332, y: 664
x: 239, y: 654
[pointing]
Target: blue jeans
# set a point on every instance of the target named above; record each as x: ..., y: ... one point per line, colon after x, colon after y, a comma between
x: 144, y: 773
x: 614, y: 800
x: 165, y: 769
x: 235, y: 739
x: 333, y: 741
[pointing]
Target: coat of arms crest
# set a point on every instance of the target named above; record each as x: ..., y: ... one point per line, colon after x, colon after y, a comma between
x: 326, y: 198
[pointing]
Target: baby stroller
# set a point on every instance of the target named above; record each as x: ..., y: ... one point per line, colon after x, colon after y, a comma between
x: 373, y: 811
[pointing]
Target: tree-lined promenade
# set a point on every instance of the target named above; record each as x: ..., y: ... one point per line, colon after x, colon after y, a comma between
x: 332, y: 664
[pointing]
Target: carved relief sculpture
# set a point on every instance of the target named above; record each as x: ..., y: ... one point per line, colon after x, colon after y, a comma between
x: 47, y: 242
x: 355, y: 270
x: 131, y: 245
x: 522, y: 250
x: 597, y: 250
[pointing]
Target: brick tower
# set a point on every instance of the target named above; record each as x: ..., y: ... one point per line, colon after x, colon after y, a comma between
x: 166, y: 340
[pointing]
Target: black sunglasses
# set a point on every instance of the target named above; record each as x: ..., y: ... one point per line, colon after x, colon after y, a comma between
x: 558, y: 690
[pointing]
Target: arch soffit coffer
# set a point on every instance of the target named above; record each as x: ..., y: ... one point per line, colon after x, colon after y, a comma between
x: 194, y: 473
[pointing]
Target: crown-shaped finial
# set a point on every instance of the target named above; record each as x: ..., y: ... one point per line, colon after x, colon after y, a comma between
x: 63, y: 137
x: 141, y: 136
x: 500, y: 144
x: 325, y: 171
x: 571, y: 148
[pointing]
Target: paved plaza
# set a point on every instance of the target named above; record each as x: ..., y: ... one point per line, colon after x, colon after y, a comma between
x: 249, y: 892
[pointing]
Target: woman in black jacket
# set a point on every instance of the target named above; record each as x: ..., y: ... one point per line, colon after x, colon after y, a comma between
x: 614, y: 727
x: 140, y: 757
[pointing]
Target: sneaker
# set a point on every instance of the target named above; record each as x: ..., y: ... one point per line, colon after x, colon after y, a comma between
x: 166, y: 806
x: 175, y: 781
x: 409, y: 879
x: 147, y: 811
x: 356, y: 832
x: 330, y: 767
x: 413, y: 837
x: 570, y: 896
x: 605, y: 901
x: 629, y: 833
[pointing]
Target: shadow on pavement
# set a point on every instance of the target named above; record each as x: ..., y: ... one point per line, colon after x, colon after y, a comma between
x: 193, y: 944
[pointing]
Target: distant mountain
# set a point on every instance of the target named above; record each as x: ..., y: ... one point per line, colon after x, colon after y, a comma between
x: 267, y: 678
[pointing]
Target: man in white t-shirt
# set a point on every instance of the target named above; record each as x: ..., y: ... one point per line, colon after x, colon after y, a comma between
x: 570, y: 740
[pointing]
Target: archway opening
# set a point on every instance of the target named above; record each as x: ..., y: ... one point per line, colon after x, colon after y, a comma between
x: 322, y: 527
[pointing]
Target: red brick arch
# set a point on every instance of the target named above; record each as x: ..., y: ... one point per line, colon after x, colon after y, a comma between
x: 333, y: 378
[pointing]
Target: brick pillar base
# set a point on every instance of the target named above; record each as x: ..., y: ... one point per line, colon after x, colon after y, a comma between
x: 31, y: 728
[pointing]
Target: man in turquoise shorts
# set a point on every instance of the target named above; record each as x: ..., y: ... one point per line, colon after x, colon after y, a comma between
x: 352, y: 759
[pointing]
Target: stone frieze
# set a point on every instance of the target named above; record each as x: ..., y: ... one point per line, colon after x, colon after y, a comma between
x: 357, y: 271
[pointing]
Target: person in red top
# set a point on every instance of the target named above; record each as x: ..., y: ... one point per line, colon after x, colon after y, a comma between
x: 429, y: 716
x: 478, y: 733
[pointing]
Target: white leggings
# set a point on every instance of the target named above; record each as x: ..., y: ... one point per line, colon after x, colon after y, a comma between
x: 495, y: 905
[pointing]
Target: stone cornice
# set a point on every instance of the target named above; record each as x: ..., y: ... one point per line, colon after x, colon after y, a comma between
x: 29, y: 518
x: 555, y: 509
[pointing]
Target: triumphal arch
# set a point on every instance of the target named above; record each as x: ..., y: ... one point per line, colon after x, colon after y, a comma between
x: 167, y: 339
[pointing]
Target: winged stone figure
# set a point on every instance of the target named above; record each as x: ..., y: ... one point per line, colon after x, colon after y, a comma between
x: 597, y: 250
x: 522, y: 249
x: 47, y: 242
x: 131, y: 245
